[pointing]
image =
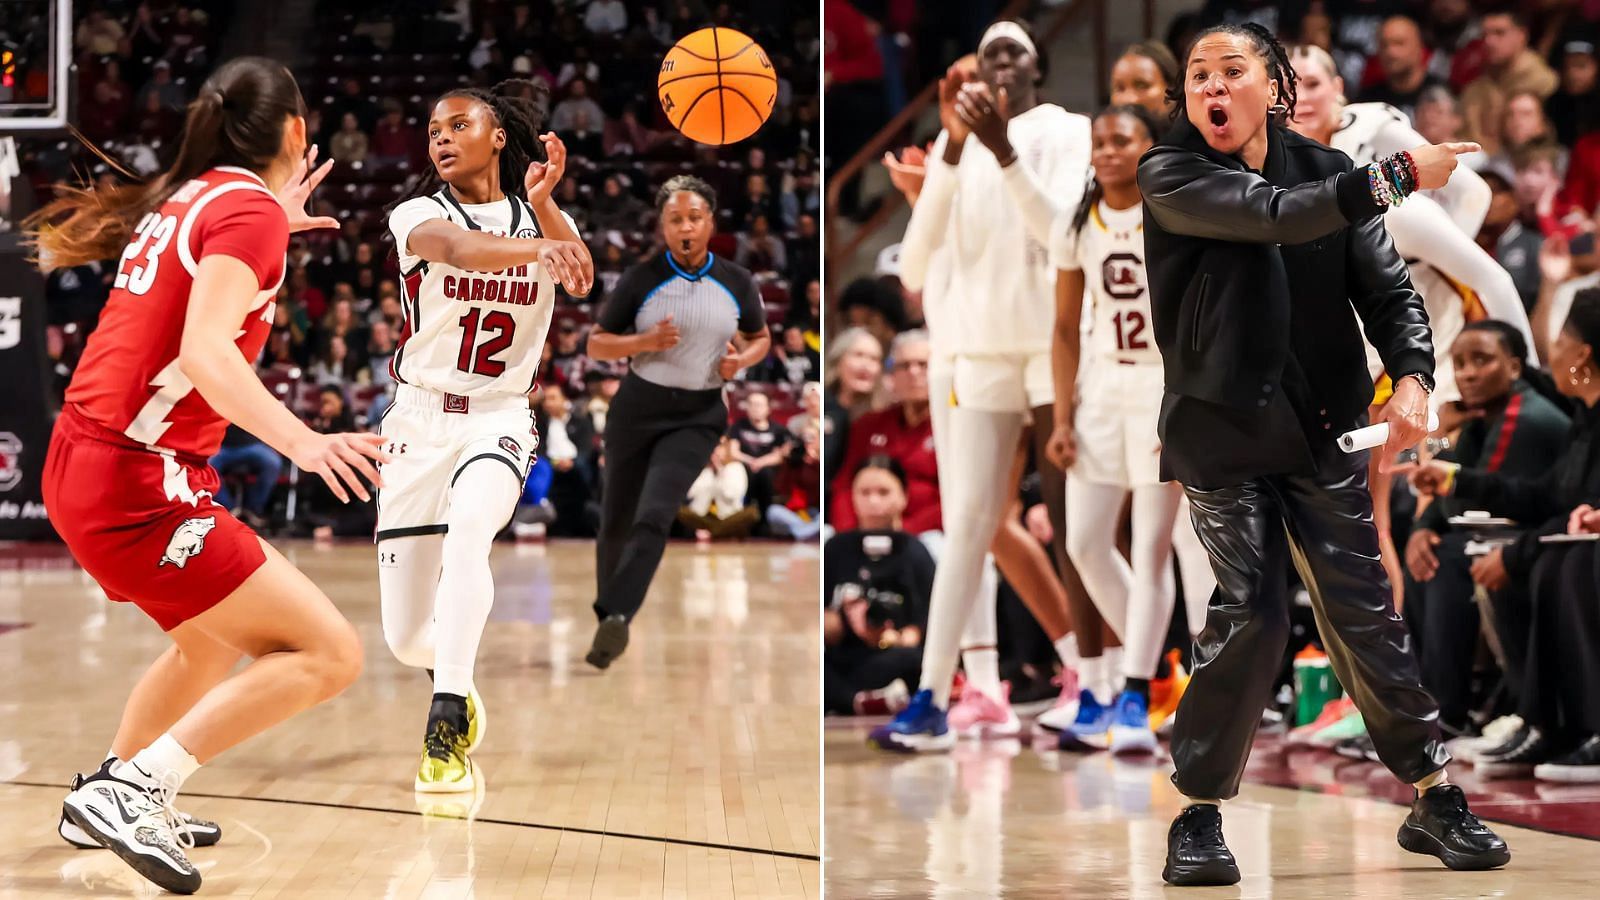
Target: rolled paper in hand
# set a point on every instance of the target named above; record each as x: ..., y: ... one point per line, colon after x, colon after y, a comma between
x: 1376, y: 435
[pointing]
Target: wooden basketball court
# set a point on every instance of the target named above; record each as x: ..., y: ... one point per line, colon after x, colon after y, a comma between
x: 689, y: 769
x: 1007, y: 819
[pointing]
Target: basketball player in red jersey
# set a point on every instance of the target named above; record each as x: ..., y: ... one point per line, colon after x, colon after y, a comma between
x: 127, y: 484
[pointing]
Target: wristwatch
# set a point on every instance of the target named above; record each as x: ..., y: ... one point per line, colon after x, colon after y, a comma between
x: 1424, y: 381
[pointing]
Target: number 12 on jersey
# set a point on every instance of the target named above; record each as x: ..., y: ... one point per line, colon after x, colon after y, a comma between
x: 1129, y: 325
x: 479, y: 359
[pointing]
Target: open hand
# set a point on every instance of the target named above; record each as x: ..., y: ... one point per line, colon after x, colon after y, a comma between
x: 568, y: 265
x: 339, y: 458
x: 541, y: 178
x: 908, y: 171
x: 296, y: 193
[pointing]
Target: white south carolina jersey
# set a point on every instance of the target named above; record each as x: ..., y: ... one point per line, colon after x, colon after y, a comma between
x: 1109, y: 249
x: 470, y: 333
x: 1371, y: 131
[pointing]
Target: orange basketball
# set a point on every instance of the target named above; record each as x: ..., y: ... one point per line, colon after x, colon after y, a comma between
x: 717, y: 86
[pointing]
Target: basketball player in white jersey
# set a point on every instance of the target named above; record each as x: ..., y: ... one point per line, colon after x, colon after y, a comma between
x: 1105, y: 436
x: 480, y: 265
x: 1003, y: 169
x: 1458, y: 281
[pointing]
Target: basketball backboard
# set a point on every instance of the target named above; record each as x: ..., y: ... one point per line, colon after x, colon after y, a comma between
x: 35, y: 61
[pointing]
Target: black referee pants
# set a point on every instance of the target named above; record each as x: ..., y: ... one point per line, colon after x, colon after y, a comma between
x: 1322, y: 523
x: 656, y: 442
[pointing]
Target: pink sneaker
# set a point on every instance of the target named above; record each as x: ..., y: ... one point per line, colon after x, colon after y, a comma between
x: 1061, y: 716
x: 979, y: 716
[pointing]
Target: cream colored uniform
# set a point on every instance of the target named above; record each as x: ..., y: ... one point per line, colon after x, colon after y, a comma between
x: 1120, y: 378
x: 468, y: 355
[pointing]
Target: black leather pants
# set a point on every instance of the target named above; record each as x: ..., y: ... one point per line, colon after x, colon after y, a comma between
x: 1323, y: 524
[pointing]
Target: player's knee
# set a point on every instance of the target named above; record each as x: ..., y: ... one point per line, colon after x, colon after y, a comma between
x: 336, y: 664
x: 409, y: 645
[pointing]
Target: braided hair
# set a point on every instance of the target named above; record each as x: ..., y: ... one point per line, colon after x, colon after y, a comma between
x: 1267, y: 48
x: 1094, y: 193
x: 520, y: 107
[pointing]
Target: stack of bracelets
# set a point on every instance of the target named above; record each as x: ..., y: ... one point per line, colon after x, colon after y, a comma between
x: 1392, y: 179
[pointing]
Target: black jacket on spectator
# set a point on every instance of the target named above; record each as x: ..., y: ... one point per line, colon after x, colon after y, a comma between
x: 1542, y: 503
x: 1252, y: 279
x: 1518, y: 441
x: 898, y: 571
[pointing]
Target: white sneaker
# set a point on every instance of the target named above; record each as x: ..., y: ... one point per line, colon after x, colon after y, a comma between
x: 1061, y: 716
x: 1467, y: 749
x: 140, y: 826
x: 204, y: 833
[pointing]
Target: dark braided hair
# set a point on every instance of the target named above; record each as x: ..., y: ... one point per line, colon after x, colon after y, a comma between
x: 1093, y: 193
x: 520, y: 107
x: 1267, y: 48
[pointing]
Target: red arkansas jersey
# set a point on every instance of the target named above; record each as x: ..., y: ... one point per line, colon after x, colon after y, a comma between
x: 128, y: 379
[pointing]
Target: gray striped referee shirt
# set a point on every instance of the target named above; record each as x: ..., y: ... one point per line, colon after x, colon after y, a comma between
x: 708, y: 305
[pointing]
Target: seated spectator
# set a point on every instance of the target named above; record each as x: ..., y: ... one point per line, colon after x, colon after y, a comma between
x: 715, y: 508
x: 810, y: 415
x: 606, y: 18
x: 904, y: 431
x: 1504, y: 238
x: 759, y: 250
x: 761, y: 445
x: 320, y: 508
x: 616, y: 209
x: 800, y: 199
x: 304, y: 293
x: 583, y: 138
x: 627, y: 136
x: 1439, y: 120
x: 568, y: 441
x: 796, y: 511
x: 153, y: 122
x: 380, y: 352
x: 243, y: 453
x: 791, y: 362
x: 568, y: 363
x: 334, y: 367
x: 877, y: 583
x: 99, y: 34
x: 1523, y: 126
x: 161, y: 84
x: 854, y: 372
x: 1404, y: 60
x: 1574, y: 109
x: 1510, y: 67
x: 1529, y: 583
x: 349, y: 143
x: 803, y: 250
x: 565, y: 116
x: 1505, y: 427
x: 600, y: 384
x: 579, y: 64
x: 393, y: 140
x: 876, y: 305
x: 104, y: 113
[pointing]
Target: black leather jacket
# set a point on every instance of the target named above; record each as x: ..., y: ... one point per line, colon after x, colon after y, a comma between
x: 1247, y: 270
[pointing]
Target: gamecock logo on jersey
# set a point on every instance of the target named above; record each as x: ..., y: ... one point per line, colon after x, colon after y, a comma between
x: 1121, y: 273
x: 188, y: 539
x: 10, y: 461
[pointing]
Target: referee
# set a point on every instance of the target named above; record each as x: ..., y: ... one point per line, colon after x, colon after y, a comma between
x: 690, y: 321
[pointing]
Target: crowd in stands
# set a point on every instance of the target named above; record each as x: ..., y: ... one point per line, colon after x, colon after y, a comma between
x: 369, y: 73
x: 1502, y: 615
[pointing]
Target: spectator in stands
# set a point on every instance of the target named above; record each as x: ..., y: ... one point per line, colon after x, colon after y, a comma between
x: 578, y: 65
x: 567, y: 363
x: 804, y: 252
x: 162, y: 85
x: 565, y: 118
x: 1506, y: 427
x: 353, y: 99
x: 761, y: 445
x: 800, y: 198
x: 102, y: 113
x: 1528, y: 582
x: 616, y: 209
x: 796, y: 511
x: 1404, y: 61
x: 326, y: 515
x: 333, y: 367
x: 878, y: 580
x: 810, y: 414
x: 1523, y: 125
x: 872, y: 304
x: 98, y: 34
x: 393, y: 141
x: 568, y: 439
x: 759, y: 250
x: 716, y: 506
x: 905, y: 432
x: 606, y: 18
x: 1510, y: 67
x: 627, y: 136
x: 482, y: 53
x: 792, y: 361
x: 1574, y: 109
x: 303, y: 292
x: 1504, y: 237
x: 600, y: 385
x: 854, y: 372
x: 380, y: 351
x: 243, y: 454
x: 349, y: 143
x: 153, y: 122
x: 1450, y: 27
x: 853, y: 79
x: 756, y: 199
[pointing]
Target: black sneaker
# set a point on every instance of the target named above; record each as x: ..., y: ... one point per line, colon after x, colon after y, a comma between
x: 1581, y: 766
x: 1441, y: 825
x: 1507, y: 745
x: 610, y: 639
x: 1358, y: 747
x: 1196, y: 854
x: 1517, y: 759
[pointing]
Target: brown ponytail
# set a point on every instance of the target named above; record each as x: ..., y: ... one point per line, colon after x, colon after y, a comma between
x: 237, y: 119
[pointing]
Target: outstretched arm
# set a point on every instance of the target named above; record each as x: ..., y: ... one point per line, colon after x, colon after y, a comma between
x: 1422, y: 229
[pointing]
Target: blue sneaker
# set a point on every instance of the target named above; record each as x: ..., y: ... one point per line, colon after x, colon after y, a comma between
x: 1088, y: 733
x: 1130, y: 725
x: 919, y: 728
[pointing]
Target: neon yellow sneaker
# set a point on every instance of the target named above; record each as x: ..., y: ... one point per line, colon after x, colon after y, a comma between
x: 477, y: 720
x: 446, y: 768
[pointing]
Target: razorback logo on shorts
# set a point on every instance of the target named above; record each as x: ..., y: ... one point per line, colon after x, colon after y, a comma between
x: 510, y: 446
x: 188, y: 539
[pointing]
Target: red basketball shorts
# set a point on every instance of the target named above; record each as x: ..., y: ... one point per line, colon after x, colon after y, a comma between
x: 143, y: 524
